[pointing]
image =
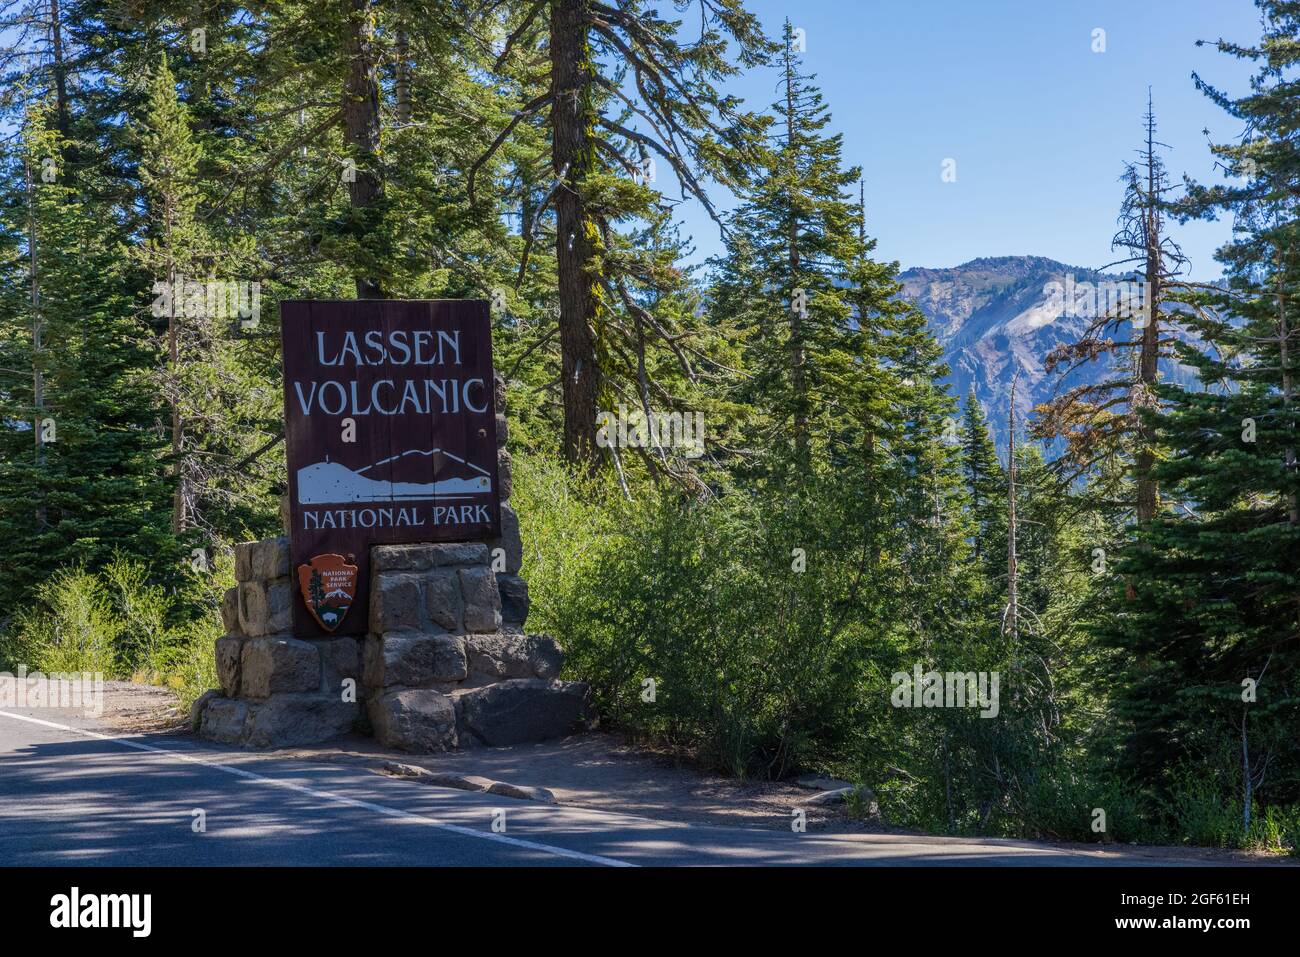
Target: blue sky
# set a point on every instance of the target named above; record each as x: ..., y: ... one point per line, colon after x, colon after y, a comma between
x: 1039, y: 125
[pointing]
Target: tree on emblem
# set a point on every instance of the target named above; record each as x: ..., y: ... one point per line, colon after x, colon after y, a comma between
x: 317, y: 588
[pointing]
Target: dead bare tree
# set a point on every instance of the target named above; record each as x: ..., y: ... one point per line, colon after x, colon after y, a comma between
x: 1103, y: 421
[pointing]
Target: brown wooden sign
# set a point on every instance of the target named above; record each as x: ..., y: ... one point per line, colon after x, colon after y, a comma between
x: 390, y: 425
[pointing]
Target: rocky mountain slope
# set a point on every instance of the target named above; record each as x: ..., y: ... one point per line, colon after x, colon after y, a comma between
x: 996, y: 315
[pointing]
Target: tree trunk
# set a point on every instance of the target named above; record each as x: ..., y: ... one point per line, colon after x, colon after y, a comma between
x: 1148, y: 495
x: 60, y: 71
x: 38, y: 373
x: 361, y: 124
x: 1247, y: 795
x: 402, y: 84
x: 180, y: 496
x: 1013, y: 571
x: 868, y: 425
x: 1284, y: 359
x: 577, y: 239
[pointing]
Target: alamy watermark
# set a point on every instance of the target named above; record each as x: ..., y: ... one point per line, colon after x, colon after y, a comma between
x: 950, y: 689
x: 209, y: 299
x: 74, y: 909
x: 1116, y: 298
x: 633, y: 429
x: 67, y: 691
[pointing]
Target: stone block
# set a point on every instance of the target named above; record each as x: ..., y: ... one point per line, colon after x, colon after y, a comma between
x: 503, y: 429
x: 546, y: 655
x: 279, y: 664
x: 264, y: 560
x: 400, y: 558
x: 498, y: 656
x: 230, y: 610
x: 442, y: 599
x: 513, y: 655
x: 197, y: 708
x: 290, y: 720
x: 414, y: 659
x: 223, y: 720
x: 230, y: 649
x: 460, y: 553
x: 478, y: 587
x: 417, y: 720
x: 510, y: 542
x: 394, y: 603
x: 243, y: 561
x: 270, y: 558
x: 519, y: 711
x: 505, y: 474
x: 514, y: 600
x: 340, y: 659
x: 418, y: 558
x: 265, y: 607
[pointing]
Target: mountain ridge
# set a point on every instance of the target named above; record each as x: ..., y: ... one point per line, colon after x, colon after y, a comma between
x: 994, y: 316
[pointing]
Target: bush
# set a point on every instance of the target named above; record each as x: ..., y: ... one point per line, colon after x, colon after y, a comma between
x: 749, y: 664
x: 1062, y: 802
x: 118, y: 624
x: 72, y: 627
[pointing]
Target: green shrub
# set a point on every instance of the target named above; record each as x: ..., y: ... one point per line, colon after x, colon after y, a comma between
x: 71, y: 627
x: 1062, y: 803
x: 753, y: 665
x: 192, y: 662
x: 1204, y: 815
x: 121, y: 625
x: 143, y: 610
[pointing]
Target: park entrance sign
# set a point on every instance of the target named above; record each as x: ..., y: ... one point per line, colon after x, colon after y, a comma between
x: 390, y: 425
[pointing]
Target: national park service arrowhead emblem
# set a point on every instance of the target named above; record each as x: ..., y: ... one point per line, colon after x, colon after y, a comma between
x: 329, y: 584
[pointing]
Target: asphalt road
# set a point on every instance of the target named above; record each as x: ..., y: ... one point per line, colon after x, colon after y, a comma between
x: 72, y: 793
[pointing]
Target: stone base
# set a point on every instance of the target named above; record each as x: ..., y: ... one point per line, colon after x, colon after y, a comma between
x: 276, y: 690
x: 515, y: 711
x: 418, y: 720
x: 282, y: 720
x: 446, y: 665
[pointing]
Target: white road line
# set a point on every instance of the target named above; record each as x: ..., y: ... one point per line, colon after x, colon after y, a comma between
x: 329, y: 796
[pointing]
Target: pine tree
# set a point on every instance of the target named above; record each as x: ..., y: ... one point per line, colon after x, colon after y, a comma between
x: 985, y: 485
x: 73, y: 375
x: 174, y: 254
x: 1210, y: 671
x: 207, y: 311
x: 606, y: 137
x: 795, y: 273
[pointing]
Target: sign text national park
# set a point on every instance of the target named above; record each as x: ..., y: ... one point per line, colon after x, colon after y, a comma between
x: 391, y: 436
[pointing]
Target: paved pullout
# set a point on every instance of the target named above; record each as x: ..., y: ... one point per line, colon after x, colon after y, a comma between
x: 74, y: 792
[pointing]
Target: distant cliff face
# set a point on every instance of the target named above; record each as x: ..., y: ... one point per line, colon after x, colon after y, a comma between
x: 996, y: 315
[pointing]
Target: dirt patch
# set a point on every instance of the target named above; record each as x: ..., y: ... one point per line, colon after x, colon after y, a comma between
x: 599, y: 770
x: 121, y: 706
x: 141, y: 709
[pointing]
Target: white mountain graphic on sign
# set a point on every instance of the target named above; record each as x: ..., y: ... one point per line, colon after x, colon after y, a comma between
x: 329, y: 482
